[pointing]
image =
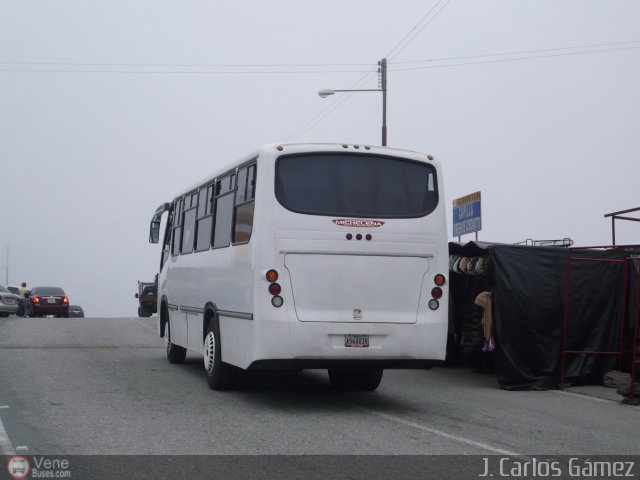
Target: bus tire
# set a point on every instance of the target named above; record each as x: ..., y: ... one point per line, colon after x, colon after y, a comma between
x: 220, y: 375
x: 360, y: 380
x: 175, y: 353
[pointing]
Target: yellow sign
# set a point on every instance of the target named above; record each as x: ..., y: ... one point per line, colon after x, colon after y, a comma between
x: 472, y: 197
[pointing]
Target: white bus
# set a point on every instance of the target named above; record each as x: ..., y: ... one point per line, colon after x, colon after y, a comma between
x: 308, y: 256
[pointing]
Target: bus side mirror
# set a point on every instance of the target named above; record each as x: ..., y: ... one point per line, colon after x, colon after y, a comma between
x: 154, y: 232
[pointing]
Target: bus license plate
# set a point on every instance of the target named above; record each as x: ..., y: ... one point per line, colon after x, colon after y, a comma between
x: 357, y: 341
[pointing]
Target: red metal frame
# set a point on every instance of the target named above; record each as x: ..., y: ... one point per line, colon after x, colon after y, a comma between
x: 634, y: 356
x: 621, y: 351
x: 618, y: 216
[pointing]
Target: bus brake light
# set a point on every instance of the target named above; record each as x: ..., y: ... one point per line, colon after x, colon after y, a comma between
x: 275, y: 289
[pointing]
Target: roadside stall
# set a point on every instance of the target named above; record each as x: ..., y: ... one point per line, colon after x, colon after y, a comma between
x: 530, y: 296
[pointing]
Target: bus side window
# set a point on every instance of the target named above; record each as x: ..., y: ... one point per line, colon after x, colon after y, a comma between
x: 204, y: 223
x: 177, y: 227
x: 244, y: 205
x: 189, y: 223
x: 166, y: 242
x: 223, y: 210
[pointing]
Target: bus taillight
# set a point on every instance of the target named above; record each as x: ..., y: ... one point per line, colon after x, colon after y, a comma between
x: 274, y: 288
x: 436, y: 292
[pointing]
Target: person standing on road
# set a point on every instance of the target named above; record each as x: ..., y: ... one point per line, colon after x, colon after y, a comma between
x: 23, y: 305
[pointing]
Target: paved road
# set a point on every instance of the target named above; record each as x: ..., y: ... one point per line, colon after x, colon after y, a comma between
x: 103, y: 386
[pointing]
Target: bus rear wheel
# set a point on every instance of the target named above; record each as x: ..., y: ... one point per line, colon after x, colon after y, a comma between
x: 359, y: 380
x: 175, y: 353
x: 220, y: 375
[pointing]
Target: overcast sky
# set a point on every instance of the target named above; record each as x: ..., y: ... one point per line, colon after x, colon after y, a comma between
x: 109, y: 108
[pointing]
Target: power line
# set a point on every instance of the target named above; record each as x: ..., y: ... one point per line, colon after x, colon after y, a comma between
x: 330, y: 108
x: 392, y: 53
x: 518, y: 52
x: 185, y: 65
x: 545, y: 53
x: 421, y: 29
x: 399, y: 47
x: 516, y: 59
x: 182, y: 72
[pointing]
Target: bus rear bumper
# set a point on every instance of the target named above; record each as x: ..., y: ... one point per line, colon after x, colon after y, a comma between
x: 341, y: 363
x: 298, y: 346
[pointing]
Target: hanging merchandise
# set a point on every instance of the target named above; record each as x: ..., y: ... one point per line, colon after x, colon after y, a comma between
x: 471, y: 266
x: 484, y: 299
x: 468, y: 265
x: 456, y: 264
x: 463, y: 265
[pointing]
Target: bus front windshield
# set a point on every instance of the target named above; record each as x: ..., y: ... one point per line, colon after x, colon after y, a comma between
x: 355, y: 185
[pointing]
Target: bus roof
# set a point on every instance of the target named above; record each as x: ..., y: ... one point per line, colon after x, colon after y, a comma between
x: 299, y: 147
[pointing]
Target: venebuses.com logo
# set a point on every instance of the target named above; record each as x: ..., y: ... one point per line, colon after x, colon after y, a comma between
x: 18, y: 467
x: 38, y: 467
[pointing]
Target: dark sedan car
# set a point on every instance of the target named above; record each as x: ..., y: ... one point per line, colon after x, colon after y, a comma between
x: 76, y: 311
x: 48, y: 301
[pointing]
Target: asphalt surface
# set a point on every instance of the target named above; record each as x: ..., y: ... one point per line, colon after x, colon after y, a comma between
x: 99, y: 386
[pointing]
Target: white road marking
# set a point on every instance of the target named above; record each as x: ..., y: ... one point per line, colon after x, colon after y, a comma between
x: 22, y: 448
x: 583, y: 395
x: 3, y: 406
x: 450, y: 436
x: 5, y: 445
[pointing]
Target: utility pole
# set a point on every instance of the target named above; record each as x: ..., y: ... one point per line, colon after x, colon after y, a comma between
x: 382, y: 79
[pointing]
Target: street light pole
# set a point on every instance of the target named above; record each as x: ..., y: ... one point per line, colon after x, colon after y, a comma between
x: 382, y: 81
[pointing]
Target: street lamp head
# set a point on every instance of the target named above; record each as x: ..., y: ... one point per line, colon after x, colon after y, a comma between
x: 326, y: 92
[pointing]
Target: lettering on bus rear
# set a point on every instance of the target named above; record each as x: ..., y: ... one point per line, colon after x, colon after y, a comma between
x: 356, y: 222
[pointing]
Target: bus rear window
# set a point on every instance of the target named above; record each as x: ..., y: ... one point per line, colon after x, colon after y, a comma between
x: 355, y: 185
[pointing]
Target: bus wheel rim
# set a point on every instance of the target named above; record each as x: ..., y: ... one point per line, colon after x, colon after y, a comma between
x: 209, y: 352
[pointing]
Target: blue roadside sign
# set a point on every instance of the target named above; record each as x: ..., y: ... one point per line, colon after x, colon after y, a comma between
x: 467, y: 214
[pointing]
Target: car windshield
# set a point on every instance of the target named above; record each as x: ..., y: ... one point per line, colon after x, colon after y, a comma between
x: 47, y: 291
x: 4, y: 289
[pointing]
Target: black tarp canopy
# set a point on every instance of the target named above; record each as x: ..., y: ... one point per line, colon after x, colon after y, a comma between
x: 528, y: 285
